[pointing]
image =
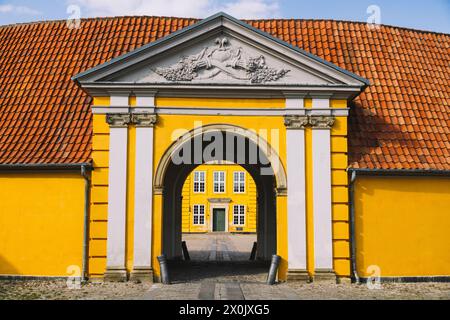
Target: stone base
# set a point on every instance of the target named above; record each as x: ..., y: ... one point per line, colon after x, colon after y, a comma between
x: 298, y: 275
x: 142, y: 275
x: 325, y: 275
x: 116, y: 275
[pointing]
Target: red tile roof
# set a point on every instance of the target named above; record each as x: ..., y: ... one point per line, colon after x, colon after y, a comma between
x: 400, y: 122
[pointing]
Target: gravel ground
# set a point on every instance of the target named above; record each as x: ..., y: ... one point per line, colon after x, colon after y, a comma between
x: 58, y: 290
x: 388, y: 291
x: 219, y: 269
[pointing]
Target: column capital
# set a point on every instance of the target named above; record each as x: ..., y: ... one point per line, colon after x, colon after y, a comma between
x: 322, y: 122
x: 144, y: 120
x: 295, y: 122
x: 118, y: 120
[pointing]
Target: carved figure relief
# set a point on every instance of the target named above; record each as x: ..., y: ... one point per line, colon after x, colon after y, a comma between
x: 223, y: 58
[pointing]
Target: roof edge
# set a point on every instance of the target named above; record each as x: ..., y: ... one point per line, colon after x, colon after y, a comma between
x: 399, y: 172
x: 44, y: 166
x: 18, y: 24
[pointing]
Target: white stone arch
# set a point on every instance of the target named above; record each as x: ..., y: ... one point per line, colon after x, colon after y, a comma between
x: 271, y: 154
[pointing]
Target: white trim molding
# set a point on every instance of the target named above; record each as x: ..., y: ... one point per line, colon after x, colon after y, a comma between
x: 143, y: 205
x: 117, y: 197
x: 296, y: 197
x: 238, y: 111
x: 323, y: 234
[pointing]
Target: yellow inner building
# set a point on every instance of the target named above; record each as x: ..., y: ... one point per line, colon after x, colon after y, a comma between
x: 219, y: 198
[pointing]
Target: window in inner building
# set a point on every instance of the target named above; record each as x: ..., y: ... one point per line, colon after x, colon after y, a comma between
x: 239, y: 182
x: 199, y: 214
x: 239, y: 215
x: 199, y: 181
x: 219, y: 182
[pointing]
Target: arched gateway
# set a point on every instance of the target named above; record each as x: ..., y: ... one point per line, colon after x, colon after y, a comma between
x: 221, y: 143
x: 223, y: 89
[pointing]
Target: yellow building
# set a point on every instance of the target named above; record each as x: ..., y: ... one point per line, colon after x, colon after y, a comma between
x: 219, y: 198
x: 100, y: 160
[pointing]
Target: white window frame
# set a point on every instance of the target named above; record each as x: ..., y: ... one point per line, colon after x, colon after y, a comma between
x: 199, y: 182
x: 239, y: 215
x: 238, y: 183
x: 198, y: 214
x: 219, y: 182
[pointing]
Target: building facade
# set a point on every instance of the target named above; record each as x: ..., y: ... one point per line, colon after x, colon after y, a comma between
x: 219, y: 197
x: 98, y: 148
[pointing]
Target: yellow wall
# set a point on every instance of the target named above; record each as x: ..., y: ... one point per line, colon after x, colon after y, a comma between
x: 170, y: 127
x: 41, y: 223
x: 99, y: 196
x: 248, y: 199
x: 403, y: 225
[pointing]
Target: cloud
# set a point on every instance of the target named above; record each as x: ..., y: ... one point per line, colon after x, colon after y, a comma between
x: 181, y: 8
x: 9, y: 8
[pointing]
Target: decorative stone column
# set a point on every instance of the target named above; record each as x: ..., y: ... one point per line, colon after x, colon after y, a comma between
x: 143, y: 206
x: 322, y: 202
x: 296, y: 201
x: 117, y: 197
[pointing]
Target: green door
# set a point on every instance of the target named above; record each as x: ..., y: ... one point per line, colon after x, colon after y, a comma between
x: 219, y: 220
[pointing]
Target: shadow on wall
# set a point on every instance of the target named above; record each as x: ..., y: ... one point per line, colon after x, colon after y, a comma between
x: 7, y: 269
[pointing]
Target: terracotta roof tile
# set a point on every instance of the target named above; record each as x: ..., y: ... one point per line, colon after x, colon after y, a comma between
x: 400, y: 122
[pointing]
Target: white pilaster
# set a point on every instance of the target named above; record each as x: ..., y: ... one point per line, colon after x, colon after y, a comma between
x: 143, y: 206
x: 117, y: 194
x: 296, y: 202
x: 295, y: 102
x: 323, y: 239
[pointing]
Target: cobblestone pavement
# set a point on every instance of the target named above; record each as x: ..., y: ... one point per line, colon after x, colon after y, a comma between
x: 219, y: 269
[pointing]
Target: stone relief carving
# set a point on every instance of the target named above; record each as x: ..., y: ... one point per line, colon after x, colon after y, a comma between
x: 223, y: 58
x: 316, y: 122
x: 124, y: 119
x: 322, y: 122
x: 296, y: 122
x: 118, y: 120
x: 144, y: 119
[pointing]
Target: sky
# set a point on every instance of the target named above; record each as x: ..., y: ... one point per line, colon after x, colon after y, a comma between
x: 432, y: 15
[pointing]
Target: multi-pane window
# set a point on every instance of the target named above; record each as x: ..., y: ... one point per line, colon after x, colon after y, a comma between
x: 199, y: 214
x: 199, y: 181
x: 239, y: 182
x: 219, y: 182
x: 239, y: 215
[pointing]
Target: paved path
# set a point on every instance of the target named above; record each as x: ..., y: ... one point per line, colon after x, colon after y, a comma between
x: 219, y: 270
x: 219, y: 246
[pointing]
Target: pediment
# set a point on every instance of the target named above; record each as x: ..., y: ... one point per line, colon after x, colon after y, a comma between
x: 221, y: 59
x: 220, y: 50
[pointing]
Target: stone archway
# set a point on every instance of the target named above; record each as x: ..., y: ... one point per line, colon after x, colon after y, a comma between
x: 267, y: 172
